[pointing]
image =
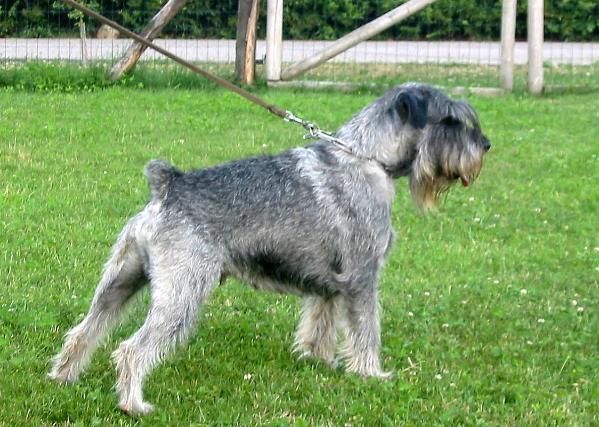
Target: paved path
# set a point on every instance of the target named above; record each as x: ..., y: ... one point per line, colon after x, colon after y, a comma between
x: 223, y: 51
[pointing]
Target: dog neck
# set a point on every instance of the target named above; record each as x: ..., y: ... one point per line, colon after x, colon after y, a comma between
x: 403, y: 168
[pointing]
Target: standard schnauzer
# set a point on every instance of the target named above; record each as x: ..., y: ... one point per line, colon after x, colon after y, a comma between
x: 312, y: 221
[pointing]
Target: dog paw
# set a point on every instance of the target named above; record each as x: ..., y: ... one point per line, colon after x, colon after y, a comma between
x: 139, y: 408
x: 369, y: 372
x: 336, y: 363
x: 64, y: 376
x: 327, y: 359
x: 383, y: 375
x: 303, y: 354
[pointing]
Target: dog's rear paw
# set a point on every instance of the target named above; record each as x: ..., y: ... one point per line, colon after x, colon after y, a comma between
x: 136, y: 408
x: 62, y: 374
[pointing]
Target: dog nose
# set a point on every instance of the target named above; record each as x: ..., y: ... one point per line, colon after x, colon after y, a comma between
x: 486, y: 143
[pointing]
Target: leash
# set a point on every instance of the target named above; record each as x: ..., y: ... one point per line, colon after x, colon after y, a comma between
x: 313, y: 130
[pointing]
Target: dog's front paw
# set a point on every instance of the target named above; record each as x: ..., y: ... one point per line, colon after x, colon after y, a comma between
x: 367, y: 370
x: 303, y: 354
x: 325, y: 357
x: 374, y: 374
x: 388, y: 375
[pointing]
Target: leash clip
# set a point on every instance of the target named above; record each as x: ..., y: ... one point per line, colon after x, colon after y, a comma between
x: 290, y: 117
x: 313, y: 130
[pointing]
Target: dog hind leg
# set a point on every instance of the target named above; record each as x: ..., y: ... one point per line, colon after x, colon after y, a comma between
x: 178, y: 288
x: 121, y: 279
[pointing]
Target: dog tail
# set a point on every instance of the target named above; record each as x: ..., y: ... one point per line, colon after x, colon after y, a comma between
x: 160, y: 174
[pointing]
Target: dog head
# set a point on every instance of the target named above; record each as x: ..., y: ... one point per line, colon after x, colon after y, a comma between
x: 446, y: 146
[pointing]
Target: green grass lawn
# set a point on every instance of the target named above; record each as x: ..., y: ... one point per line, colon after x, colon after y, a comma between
x: 490, y: 305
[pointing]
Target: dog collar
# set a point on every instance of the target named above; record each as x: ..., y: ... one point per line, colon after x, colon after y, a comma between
x: 314, y: 132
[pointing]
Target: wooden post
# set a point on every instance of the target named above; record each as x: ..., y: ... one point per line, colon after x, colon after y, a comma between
x: 363, y: 33
x: 535, y: 46
x: 508, y: 39
x: 245, y: 47
x: 83, y: 37
x: 274, y: 40
x: 133, y: 53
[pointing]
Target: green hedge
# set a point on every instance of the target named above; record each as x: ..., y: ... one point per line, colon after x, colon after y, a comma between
x: 568, y: 20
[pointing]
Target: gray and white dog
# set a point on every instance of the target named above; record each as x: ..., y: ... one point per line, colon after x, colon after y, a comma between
x: 312, y: 221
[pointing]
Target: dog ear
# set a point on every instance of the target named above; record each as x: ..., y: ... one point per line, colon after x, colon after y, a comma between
x: 412, y: 109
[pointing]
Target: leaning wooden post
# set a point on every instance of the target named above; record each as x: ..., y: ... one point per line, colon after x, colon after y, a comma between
x: 274, y: 40
x: 133, y: 53
x: 535, y: 46
x: 245, y: 47
x: 363, y: 33
x: 508, y: 39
